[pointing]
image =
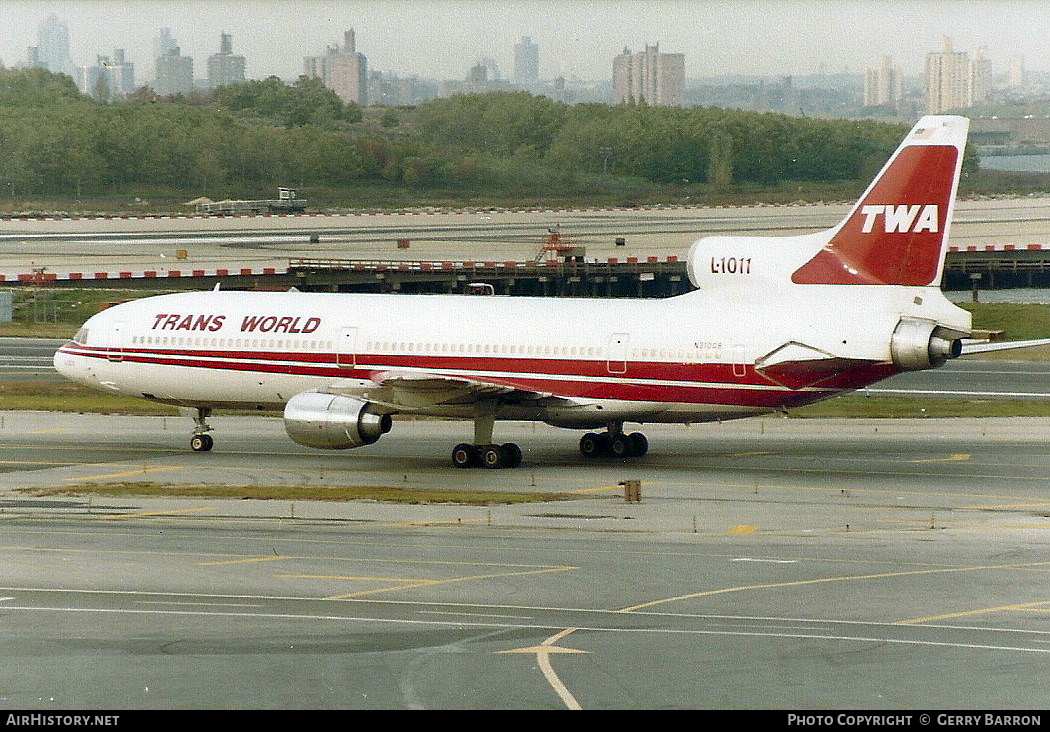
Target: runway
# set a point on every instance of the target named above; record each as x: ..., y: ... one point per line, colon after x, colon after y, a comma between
x: 772, y: 563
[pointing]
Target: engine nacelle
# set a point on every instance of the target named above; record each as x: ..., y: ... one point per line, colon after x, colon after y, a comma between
x: 333, y: 422
x: 922, y: 344
x: 757, y: 263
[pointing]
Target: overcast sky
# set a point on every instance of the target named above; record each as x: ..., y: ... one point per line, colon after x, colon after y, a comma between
x: 442, y: 39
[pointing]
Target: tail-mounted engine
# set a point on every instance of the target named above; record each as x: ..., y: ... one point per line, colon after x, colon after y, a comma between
x: 333, y: 422
x: 922, y: 344
x: 755, y: 263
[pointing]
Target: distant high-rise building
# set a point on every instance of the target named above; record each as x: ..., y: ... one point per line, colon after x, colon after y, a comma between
x: 479, y: 73
x: 87, y: 79
x: 558, y: 91
x: 491, y: 68
x: 482, y: 79
x: 389, y: 90
x: 110, y: 79
x: 174, y: 72
x: 980, y: 76
x: 344, y: 71
x: 882, y: 85
x: 164, y: 43
x: 53, y: 46
x: 526, y: 61
x: 123, y: 73
x: 225, y: 67
x: 658, y: 79
x: 948, y: 80
x: 1015, y: 73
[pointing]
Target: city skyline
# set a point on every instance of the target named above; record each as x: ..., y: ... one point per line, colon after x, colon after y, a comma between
x: 576, y: 40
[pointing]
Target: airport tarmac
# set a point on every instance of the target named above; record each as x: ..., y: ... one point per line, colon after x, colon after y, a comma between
x: 771, y: 563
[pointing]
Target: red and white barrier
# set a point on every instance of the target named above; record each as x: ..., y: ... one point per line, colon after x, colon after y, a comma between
x: 377, y: 266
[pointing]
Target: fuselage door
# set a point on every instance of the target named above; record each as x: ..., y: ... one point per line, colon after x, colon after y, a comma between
x: 616, y: 362
x: 116, y: 341
x: 346, y: 348
x: 739, y: 367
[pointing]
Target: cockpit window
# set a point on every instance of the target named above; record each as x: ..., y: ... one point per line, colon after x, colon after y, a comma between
x: 81, y: 336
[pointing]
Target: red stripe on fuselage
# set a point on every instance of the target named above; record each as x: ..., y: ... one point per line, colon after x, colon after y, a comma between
x: 702, y: 383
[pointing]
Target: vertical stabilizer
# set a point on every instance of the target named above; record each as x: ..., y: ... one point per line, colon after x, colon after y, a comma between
x: 898, y: 231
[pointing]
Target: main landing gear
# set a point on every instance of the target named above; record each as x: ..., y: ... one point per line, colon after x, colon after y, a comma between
x: 201, y: 441
x: 613, y: 443
x: 507, y: 455
x: 483, y: 452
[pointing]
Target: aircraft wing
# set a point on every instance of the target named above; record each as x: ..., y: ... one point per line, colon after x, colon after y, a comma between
x: 408, y: 389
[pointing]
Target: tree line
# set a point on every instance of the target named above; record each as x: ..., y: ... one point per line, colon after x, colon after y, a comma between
x: 246, y: 139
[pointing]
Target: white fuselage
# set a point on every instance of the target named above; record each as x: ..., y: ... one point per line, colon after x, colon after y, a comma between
x: 687, y: 358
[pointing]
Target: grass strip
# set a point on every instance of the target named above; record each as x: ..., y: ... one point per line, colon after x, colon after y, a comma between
x: 66, y: 396
x: 381, y: 493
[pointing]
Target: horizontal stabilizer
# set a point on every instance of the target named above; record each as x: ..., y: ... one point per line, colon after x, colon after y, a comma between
x: 989, y: 346
x: 957, y: 394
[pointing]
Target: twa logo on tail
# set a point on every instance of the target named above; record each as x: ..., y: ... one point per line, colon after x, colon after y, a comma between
x: 901, y: 218
x: 897, y: 232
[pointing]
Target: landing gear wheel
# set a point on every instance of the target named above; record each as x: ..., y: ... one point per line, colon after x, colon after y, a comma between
x: 591, y: 445
x: 492, y: 456
x: 464, y: 456
x: 511, y: 454
x: 201, y: 441
x: 619, y: 447
x: 638, y: 444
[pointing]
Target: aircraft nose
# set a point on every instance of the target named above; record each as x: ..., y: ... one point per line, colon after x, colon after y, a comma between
x: 65, y: 364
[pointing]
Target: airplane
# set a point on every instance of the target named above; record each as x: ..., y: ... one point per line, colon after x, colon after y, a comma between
x: 774, y: 323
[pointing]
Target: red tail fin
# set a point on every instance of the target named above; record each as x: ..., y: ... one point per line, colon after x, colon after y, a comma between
x: 896, y: 234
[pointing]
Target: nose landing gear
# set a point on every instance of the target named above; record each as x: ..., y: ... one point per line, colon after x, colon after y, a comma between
x: 201, y: 441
